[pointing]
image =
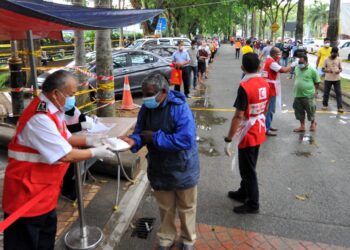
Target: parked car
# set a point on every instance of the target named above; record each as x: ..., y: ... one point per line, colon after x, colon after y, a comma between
x: 308, y: 41
x: 151, y: 42
x: 314, y: 46
x: 344, y: 50
x: 165, y: 51
x: 136, y: 64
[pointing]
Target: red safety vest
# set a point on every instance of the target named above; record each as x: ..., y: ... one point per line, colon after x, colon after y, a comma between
x: 26, y: 175
x: 270, y: 75
x: 258, y: 93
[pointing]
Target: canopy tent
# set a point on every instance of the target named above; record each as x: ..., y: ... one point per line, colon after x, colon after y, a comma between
x: 47, y: 19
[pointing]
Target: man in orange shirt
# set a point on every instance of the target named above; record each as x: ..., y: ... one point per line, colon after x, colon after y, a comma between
x: 238, y: 46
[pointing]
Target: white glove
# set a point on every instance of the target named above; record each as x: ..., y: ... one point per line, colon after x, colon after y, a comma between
x: 295, y: 63
x: 228, y: 151
x: 86, y: 125
x: 102, y: 152
x: 95, y: 140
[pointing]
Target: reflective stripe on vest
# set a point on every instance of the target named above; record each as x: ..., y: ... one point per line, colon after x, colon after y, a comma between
x: 27, y: 157
x: 257, y: 108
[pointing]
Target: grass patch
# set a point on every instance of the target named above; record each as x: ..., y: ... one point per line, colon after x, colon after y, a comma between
x: 4, y: 79
x: 345, y: 85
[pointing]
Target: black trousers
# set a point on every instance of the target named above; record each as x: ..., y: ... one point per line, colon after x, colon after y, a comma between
x: 186, y: 78
x: 248, y: 158
x: 238, y: 51
x: 32, y: 233
x: 337, y: 90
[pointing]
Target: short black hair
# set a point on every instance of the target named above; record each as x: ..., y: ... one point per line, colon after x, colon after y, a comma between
x: 249, y: 42
x: 304, y: 56
x: 335, y: 50
x: 56, y: 80
x: 251, y: 62
x: 326, y: 39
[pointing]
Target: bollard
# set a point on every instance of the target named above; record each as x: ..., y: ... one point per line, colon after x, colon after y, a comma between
x: 83, y: 237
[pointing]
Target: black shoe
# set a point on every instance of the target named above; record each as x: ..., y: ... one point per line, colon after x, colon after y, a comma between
x: 245, y: 209
x: 235, y: 195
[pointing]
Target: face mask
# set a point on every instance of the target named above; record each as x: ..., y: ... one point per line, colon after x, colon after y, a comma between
x: 327, y: 45
x: 301, y: 66
x: 69, y: 103
x: 278, y: 58
x: 151, y: 102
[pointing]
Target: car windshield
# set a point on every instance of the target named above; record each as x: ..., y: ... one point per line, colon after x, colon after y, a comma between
x: 136, y: 44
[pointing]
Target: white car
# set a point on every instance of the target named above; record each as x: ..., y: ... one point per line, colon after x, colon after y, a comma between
x: 344, y: 50
x: 151, y: 42
x: 314, y: 46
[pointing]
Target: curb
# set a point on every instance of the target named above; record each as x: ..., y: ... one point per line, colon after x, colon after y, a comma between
x: 119, y: 222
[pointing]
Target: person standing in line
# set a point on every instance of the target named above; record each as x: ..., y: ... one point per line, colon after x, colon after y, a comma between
x: 238, y: 46
x: 266, y: 51
x: 247, y: 48
x: 285, y: 54
x: 232, y: 40
x: 271, y: 72
x: 207, y: 49
x: 181, y: 60
x: 332, y: 68
x: 202, y: 57
x: 193, y: 53
x: 39, y: 155
x: 166, y: 125
x: 248, y: 126
x: 322, y: 54
x: 306, y: 83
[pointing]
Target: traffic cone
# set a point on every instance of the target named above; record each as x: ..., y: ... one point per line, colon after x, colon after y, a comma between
x: 127, y: 102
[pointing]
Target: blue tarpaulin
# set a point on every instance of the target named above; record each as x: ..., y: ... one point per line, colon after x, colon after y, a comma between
x: 17, y: 16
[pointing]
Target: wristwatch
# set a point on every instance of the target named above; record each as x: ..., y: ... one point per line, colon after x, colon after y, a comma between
x: 227, y: 139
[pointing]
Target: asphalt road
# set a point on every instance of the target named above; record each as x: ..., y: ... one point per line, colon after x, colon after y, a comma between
x: 314, y: 165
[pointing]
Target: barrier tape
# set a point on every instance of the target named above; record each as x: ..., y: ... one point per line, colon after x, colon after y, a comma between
x: 87, y: 104
x: 27, y: 68
x: 100, y: 107
x: 105, y: 78
x: 25, y: 208
x: 106, y: 86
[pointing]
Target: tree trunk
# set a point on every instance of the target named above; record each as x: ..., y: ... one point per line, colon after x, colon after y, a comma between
x: 246, y: 25
x: 104, y: 68
x: 79, y: 57
x: 333, y: 22
x: 260, y: 24
x: 253, y: 24
x: 300, y: 21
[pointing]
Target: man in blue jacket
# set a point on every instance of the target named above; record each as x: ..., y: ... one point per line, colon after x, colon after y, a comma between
x: 166, y: 126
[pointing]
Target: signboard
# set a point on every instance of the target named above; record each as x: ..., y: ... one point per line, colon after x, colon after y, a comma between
x: 274, y: 27
x: 162, y: 23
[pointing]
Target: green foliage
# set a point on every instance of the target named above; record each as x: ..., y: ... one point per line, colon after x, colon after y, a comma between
x: 4, y: 79
x: 317, y: 16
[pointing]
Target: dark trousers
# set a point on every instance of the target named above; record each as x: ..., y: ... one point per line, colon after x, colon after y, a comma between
x: 237, y: 53
x: 194, y: 69
x: 337, y: 90
x: 68, y: 187
x: 32, y: 233
x: 248, y: 158
x: 186, y: 78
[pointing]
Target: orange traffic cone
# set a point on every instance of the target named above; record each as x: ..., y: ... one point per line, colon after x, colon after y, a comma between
x: 127, y: 102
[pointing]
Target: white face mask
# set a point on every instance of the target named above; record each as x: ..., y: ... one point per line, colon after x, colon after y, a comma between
x: 327, y: 45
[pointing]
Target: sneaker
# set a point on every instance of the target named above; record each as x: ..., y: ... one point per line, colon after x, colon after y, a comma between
x: 324, y: 108
x: 235, y: 195
x: 245, y: 209
x: 274, y: 129
x: 340, y: 110
x: 269, y: 133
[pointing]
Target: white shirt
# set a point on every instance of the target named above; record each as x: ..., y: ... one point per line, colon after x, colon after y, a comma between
x: 276, y: 67
x: 41, y: 133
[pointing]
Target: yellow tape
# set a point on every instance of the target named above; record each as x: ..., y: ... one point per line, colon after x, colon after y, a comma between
x: 87, y: 104
x: 82, y: 92
x: 106, y: 86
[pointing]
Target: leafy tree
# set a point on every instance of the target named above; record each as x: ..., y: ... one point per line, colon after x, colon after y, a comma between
x: 317, y: 17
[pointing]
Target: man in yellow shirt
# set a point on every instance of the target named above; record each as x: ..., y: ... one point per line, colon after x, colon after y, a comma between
x: 247, y: 48
x: 322, y: 55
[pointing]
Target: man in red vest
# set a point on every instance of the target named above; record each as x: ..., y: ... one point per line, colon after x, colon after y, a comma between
x: 39, y: 155
x: 271, y: 72
x: 248, y: 132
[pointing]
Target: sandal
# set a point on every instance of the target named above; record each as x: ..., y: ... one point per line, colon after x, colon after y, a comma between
x: 299, y: 130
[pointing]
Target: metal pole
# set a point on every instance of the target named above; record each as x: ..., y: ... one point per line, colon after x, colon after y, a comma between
x: 83, y: 237
x: 34, y: 79
x: 16, y: 78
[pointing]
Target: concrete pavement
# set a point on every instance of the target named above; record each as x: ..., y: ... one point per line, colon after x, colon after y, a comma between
x: 303, y: 178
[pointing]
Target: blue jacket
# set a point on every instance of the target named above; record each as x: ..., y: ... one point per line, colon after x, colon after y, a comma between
x: 173, y: 157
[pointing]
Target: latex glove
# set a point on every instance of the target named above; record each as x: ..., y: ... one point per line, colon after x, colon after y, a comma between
x: 86, y: 125
x: 95, y: 140
x: 147, y: 136
x: 102, y: 152
x: 95, y: 119
x: 295, y: 63
x: 228, y: 151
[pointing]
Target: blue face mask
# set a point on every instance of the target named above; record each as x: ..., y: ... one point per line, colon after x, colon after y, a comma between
x: 151, y: 102
x: 70, y: 103
x: 301, y: 66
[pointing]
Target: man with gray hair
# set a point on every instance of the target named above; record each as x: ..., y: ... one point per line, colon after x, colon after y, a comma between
x: 39, y: 154
x: 166, y: 126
